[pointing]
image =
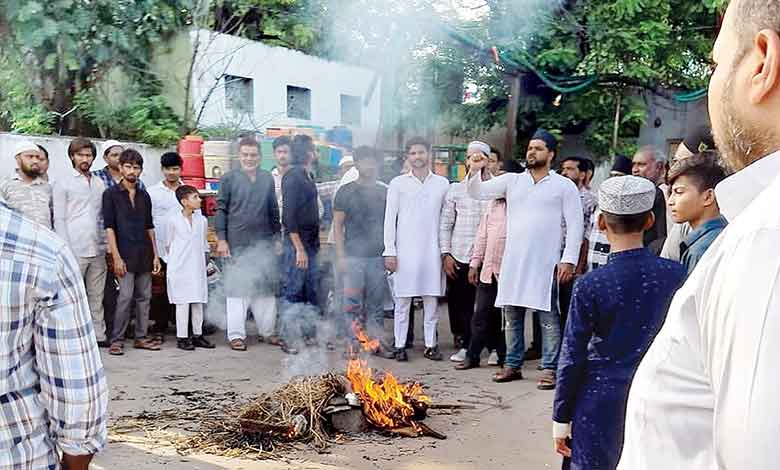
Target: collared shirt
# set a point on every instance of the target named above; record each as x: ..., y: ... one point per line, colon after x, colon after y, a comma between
x: 705, y: 394
x: 490, y: 242
x: 164, y: 206
x: 247, y: 213
x: 589, y: 204
x: 53, y: 392
x: 460, y: 217
x: 130, y: 223
x: 300, y: 214
x: 533, y: 244
x: 33, y: 200
x: 77, y: 213
x: 105, y: 175
x: 697, y: 242
x: 598, y: 246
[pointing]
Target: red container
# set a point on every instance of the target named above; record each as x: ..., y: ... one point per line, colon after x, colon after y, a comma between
x: 191, y: 145
x: 192, y: 166
x: 197, y: 183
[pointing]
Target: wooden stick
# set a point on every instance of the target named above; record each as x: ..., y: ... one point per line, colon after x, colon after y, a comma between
x: 427, y: 431
x: 436, y: 406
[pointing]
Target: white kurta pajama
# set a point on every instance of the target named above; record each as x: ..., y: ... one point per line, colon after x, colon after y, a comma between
x: 534, y: 233
x: 187, y: 246
x: 705, y: 395
x: 412, y: 219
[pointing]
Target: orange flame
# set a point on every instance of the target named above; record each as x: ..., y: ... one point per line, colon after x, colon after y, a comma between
x: 386, y: 404
x: 369, y: 345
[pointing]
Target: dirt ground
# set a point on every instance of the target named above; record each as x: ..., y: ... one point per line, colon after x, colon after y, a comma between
x: 509, y: 427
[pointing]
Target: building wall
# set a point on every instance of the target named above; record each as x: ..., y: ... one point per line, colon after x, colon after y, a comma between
x: 59, y: 162
x: 676, y: 121
x: 272, y: 69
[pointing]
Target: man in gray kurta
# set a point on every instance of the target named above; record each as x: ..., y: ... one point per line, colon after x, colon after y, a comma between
x: 247, y: 225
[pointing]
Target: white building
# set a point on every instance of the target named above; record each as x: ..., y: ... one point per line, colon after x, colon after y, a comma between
x: 242, y: 84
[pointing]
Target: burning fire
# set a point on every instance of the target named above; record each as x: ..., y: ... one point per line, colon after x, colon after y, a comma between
x: 368, y: 345
x: 387, y: 403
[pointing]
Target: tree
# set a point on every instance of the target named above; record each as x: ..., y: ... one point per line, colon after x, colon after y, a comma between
x: 618, y: 50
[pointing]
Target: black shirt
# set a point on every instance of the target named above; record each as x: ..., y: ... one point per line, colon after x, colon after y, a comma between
x: 364, y: 218
x: 130, y: 223
x: 247, y: 212
x: 655, y: 237
x: 301, y: 213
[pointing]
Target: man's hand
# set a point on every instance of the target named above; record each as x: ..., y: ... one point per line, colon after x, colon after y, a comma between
x: 391, y: 263
x: 156, y: 266
x: 75, y: 462
x: 473, y: 276
x: 450, y: 266
x: 223, y: 249
x: 301, y: 260
x: 565, y: 273
x: 120, y: 268
x: 561, y: 447
x: 477, y: 164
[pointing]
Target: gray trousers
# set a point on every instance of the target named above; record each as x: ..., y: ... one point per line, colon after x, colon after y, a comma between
x: 93, y: 270
x: 364, y: 284
x: 133, y: 287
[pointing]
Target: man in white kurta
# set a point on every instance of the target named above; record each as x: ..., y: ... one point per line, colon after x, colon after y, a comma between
x: 412, y: 253
x: 705, y: 395
x: 537, y: 201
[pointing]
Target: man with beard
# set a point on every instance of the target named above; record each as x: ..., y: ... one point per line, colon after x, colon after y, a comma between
x: 111, y: 173
x: 705, y: 394
x: 77, y: 205
x: 412, y: 252
x: 127, y: 218
x: 649, y: 163
x: 537, y: 201
x: 28, y: 191
x: 247, y: 225
x: 164, y: 206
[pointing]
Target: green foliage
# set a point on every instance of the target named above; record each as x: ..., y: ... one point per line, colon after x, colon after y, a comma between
x: 19, y: 111
x: 633, y: 47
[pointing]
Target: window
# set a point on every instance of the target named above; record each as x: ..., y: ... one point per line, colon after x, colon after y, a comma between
x: 298, y: 102
x: 239, y: 94
x: 350, y: 110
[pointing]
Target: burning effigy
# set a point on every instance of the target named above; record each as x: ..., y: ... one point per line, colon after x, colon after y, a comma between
x: 309, y: 410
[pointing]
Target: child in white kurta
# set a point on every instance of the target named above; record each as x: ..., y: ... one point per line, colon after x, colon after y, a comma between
x: 187, y: 284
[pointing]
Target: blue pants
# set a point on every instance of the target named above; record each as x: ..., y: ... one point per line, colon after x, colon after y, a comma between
x: 365, y: 280
x: 299, y: 307
x: 514, y: 326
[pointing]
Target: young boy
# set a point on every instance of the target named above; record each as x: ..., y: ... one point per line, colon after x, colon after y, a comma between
x: 187, y: 285
x: 692, y: 199
x: 615, y: 313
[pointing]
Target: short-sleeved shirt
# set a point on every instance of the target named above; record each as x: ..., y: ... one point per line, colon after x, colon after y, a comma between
x: 364, y: 218
x: 130, y: 223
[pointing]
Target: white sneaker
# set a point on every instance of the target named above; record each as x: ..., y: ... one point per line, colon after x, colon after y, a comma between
x: 493, y: 359
x: 459, y: 356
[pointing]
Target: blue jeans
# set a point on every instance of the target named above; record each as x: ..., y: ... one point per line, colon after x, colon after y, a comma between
x: 514, y: 326
x: 299, y: 308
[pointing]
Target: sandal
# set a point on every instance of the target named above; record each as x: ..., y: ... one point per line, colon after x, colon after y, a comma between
x: 116, y: 349
x: 148, y: 344
x: 274, y: 340
x: 238, y: 344
x: 287, y: 349
x: 547, y: 380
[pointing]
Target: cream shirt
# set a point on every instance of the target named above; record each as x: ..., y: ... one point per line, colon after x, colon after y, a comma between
x: 705, y: 395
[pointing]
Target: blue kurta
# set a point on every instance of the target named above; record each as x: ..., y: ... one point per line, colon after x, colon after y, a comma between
x: 615, y: 313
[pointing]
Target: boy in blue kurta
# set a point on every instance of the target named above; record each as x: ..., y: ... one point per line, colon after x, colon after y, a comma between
x: 615, y: 313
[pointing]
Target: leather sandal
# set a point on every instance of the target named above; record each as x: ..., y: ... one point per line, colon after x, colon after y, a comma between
x: 238, y: 344
x: 508, y: 375
x: 467, y: 364
x: 146, y: 343
x: 116, y: 349
x: 547, y: 380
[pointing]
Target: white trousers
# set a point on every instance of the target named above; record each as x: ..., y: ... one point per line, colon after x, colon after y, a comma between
x: 263, y: 308
x: 401, y: 321
x: 183, y: 320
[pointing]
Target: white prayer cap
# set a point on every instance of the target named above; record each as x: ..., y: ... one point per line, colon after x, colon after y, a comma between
x: 111, y: 143
x: 626, y: 195
x: 346, y: 160
x: 479, y: 147
x: 25, y: 146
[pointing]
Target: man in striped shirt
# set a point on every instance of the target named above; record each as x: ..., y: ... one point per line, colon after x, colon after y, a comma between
x: 53, y: 396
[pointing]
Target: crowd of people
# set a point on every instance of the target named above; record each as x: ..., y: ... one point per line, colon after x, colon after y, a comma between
x: 656, y: 361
